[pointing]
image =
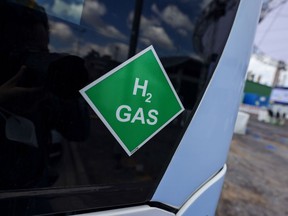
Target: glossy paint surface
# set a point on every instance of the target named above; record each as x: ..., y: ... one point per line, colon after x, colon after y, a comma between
x: 205, y: 200
x: 133, y: 211
x: 204, y: 147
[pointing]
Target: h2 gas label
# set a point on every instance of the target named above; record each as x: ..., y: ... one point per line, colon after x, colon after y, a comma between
x: 135, y: 100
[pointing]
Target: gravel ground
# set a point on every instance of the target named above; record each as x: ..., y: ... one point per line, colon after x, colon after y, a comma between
x: 257, y: 179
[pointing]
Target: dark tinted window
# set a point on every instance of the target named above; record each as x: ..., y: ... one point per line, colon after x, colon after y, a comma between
x: 56, y: 154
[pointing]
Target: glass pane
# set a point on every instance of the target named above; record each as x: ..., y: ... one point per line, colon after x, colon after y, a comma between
x: 54, y: 149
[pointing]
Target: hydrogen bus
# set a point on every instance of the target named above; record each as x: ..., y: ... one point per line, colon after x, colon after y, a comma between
x: 119, y: 107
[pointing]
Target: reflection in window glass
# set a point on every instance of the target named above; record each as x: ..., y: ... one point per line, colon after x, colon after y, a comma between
x: 67, y: 10
x: 65, y: 150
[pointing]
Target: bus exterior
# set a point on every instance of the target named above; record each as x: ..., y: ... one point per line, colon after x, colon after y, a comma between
x: 119, y: 107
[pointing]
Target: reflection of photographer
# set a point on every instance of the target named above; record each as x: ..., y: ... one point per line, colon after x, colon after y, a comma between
x: 38, y: 94
x: 11, y: 93
x: 65, y: 77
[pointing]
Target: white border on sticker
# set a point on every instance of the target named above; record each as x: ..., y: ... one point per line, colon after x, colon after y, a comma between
x: 83, y: 90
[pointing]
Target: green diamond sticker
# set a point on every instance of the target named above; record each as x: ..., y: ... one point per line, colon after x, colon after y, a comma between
x: 134, y: 100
